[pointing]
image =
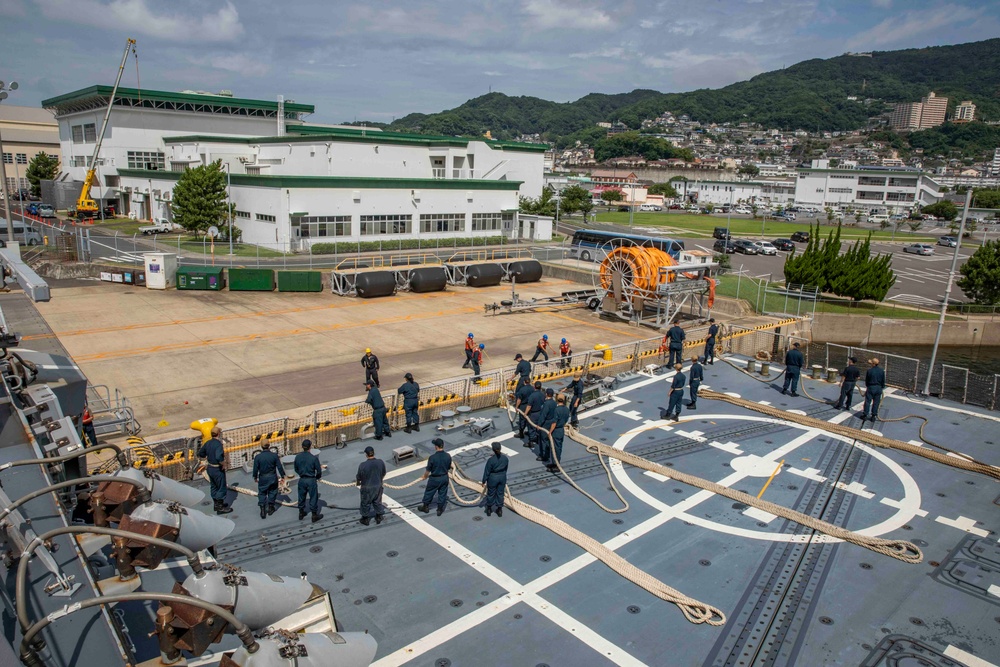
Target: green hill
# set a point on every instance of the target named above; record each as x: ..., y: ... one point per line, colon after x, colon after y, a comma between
x: 810, y: 95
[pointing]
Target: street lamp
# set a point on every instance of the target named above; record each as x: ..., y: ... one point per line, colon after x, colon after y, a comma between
x: 4, y: 87
x: 229, y: 211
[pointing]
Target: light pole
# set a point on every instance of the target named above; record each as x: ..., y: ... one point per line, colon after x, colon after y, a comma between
x: 4, y: 87
x: 947, y: 292
x: 229, y: 209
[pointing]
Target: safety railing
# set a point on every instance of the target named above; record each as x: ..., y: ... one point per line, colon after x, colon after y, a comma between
x: 901, y: 372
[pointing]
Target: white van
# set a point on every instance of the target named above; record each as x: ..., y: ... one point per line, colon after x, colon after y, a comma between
x: 26, y: 236
x: 878, y: 217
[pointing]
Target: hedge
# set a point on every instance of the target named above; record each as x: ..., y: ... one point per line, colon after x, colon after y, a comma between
x: 404, y: 244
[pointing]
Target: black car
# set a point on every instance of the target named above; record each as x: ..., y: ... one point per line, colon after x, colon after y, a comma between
x: 721, y: 233
x: 745, y: 247
x: 723, y: 246
x: 783, y: 244
x: 801, y: 237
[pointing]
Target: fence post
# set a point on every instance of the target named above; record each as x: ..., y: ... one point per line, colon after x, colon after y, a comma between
x: 635, y: 357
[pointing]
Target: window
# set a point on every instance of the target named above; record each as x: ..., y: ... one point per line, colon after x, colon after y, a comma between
x: 442, y: 222
x: 482, y: 222
x: 84, y: 134
x: 869, y: 180
x: 263, y: 217
x: 843, y: 191
x: 842, y: 176
x: 77, y: 134
x: 319, y: 226
x: 8, y: 158
x: 372, y: 225
x: 22, y: 158
x: 79, y: 161
x: 242, y: 214
x: 152, y: 160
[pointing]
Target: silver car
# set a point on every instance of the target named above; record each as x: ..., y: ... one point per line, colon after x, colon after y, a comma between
x: 948, y: 241
x: 920, y: 248
x: 765, y: 248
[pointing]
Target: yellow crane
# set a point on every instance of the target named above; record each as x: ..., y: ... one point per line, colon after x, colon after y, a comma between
x: 85, y: 206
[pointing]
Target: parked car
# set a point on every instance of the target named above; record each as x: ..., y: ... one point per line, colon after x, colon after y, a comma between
x: 783, y: 244
x: 920, y: 248
x: 26, y: 235
x: 928, y: 217
x: 721, y: 233
x: 724, y: 246
x: 948, y: 241
x: 742, y: 210
x: 800, y: 237
x: 785, y: 217
x: 675, y: 207
x: 745, y: 247
x: 46, y: 211
x: 161, y: 226
x: 650, y: 207
x: 765, y: 248
x: 31, y: 209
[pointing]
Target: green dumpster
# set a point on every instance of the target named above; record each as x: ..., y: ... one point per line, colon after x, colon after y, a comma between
x: 200, y: 278
x: 300, y: 281
x: 251, y: 280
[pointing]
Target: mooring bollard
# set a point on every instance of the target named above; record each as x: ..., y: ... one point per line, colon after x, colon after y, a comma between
x: 765, y: 368
x: 831, y: 374
x: 817, y: 371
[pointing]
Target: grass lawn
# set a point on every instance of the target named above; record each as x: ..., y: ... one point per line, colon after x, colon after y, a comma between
x: 189, y: 244
x: 702, y: 225
x: 754, y: 293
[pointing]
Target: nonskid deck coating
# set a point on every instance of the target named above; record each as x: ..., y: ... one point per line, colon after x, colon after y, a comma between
x: 466, y: 589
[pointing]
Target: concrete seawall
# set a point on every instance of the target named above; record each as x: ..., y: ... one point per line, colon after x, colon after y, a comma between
x: 865, y: 330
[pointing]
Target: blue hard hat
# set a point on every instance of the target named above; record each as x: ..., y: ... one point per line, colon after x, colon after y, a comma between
x: 545, y: 337
x: 564, y: 340
x: 482, y: 346
x: 470, y: 335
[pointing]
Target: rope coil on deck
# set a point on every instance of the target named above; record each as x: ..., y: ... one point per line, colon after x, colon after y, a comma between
x: 960, y: 461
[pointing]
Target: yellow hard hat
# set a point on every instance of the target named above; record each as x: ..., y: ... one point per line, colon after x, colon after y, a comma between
x: 368, y: 350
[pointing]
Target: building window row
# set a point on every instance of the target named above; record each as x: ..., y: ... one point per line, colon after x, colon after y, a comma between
x: 20, y: 158
x: 442, y: 222
x: 843, y: 191
x: 899, y: 196
x: 241, y: 214
x: 263, y: 217
x: 842, y: 176
x: 150, y: 160
x: 902, y: 183
x: 84, y: 134
x: 317, y: 226
x: 868, y: 180
x: 869, y: 195
x: 375, y: 225
x: 482, y: 222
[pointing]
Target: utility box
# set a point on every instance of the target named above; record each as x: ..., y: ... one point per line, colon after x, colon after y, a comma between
x: 200, y: 278
x: 300, y: 281
x: 251, y: 280
x: 160, y: 269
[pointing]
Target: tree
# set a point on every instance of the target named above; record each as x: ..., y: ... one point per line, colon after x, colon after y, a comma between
x: 612, y: 195
x: 855, y: 274
x: 543, y: 205
x: 665, y: 189
x: 748, y: 171
x: 857, y: 218
x: 199, y: 199
x: 829, y: 215
x: 575, y: 198
x: 943, y: 209
x: 753, y: 210
x: 986, y: 198
x: 43, y: 167
x: 981, y: 274
x: 915, y: 225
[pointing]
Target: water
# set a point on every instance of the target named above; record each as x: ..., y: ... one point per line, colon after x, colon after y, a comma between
x: 978, y: 359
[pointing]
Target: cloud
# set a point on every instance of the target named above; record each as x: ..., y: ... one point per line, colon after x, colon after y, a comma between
x: 882, y: 4
x: 607, y: 52
x: 138, y: 17
x: 233, y: 62
x: 904, y: 28
x: 492, y: 73
x: 548, y: 14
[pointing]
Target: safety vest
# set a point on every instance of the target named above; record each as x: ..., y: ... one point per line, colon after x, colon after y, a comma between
x: 477, y: 356
x: 542, y: 343
x: 663, y: 345
x: 470, y: 343
x: 564, y: 348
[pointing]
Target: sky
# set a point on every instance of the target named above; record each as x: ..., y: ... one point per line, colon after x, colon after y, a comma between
x: 382, y: 59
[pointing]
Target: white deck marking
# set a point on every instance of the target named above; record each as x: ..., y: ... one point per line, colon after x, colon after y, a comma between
x: 420, y: 465
x: 516, y: 593
x: 730, y: 447
x: 655, y: 475
x: 966, y: 658
x: 963, y: 523
x: 994, y: 590
x: 898, y: 504
x: 634, y: 415
x: 939, y: 406
x: 759, y: 515
x: 915, y: 443
x: 764, y: 402
x: 857, y: 488
x: 693, y: 435
x: 808, y: 473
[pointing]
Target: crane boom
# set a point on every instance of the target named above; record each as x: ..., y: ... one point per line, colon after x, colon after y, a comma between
x: 85, y: 206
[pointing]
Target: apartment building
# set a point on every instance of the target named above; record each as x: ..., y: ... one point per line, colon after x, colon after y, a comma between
x: 964, y: 112
x: 896, y: 190
x: 929, y: 112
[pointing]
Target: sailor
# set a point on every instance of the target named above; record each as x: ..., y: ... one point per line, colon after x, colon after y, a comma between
x: 214, y: 457
x: 410, y: 391
x: 851, y: 375
x: 675, y: 336
x: 713, y: 331
x: 309, y: 470
x: 697, y: 373
x: 371, y: 472
x: 541, y: 348
x: 495, y: 479
x: 874, y: 386
x: 438, y: 467
x: 470, y: 345
x: 534, y: 412
x: 557, y: 431
x: 371, y: 366
x: 477, y: 360
x: 565, y: 352
x: 794, y: 361
x: 676, y: 394
x: 546, y: 418
x: 522, y: 370
x: 266, y: 470
x: 521, y: 396
x: 576, y: 386
x: 379, y: 419
x: 87, y: 421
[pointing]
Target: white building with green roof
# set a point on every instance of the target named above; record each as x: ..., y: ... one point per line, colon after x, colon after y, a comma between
x: 295, y: 184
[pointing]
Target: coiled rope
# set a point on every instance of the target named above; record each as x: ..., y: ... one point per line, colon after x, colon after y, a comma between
x: 899, y: 549
x: 963, y: 461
